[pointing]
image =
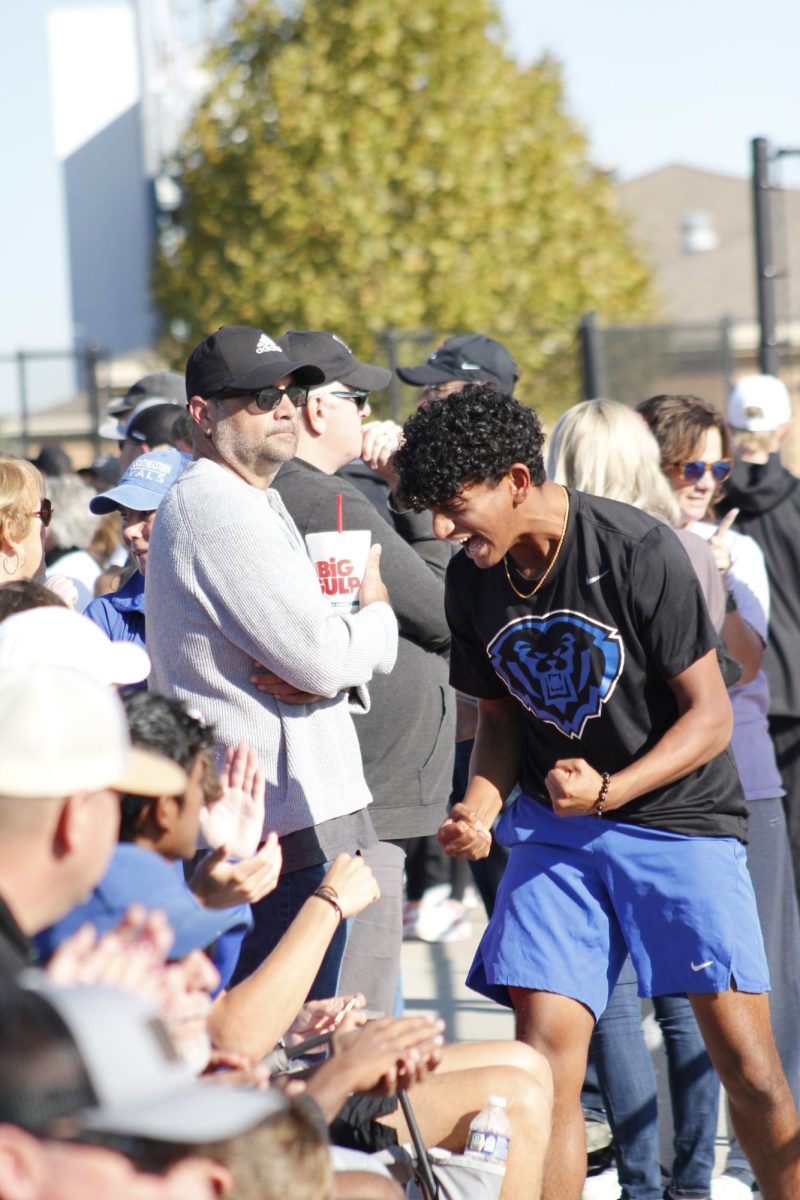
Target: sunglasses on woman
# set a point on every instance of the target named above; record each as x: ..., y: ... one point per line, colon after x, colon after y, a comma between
x: 694, y: 471
x: 45, y: 513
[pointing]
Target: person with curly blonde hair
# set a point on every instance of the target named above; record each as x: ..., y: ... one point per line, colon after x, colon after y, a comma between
x: 24, y: 516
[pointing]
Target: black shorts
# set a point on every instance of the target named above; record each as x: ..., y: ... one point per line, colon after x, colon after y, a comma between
x: 357, y: 1126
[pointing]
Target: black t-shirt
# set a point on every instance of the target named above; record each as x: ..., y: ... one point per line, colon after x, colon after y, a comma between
x: 588, y: 659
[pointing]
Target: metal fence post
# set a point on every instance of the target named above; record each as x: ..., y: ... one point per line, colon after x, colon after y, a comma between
x: 92, y: 357
x: 591, y: 356
x: 765, y: 264
x: 726, y: 345
x: 22, y: 389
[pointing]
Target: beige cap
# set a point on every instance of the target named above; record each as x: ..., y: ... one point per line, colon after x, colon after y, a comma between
x: 62, y: 732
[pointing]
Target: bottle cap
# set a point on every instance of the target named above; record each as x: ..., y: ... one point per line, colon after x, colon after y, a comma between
x: 498, y: 1102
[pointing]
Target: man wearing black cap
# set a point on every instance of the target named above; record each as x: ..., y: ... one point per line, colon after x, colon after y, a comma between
x: 228, y: 583
x: 468, y: 358
x: 407, y: 736
x: 148, y: 428
x: 160, y: 387
x: 457, y: 361
x: 53, y: 461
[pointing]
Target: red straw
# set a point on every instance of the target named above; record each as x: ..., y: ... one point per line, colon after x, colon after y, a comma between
x: 338, y: 512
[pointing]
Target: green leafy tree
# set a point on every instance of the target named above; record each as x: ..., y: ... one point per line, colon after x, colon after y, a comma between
x: 359, y: 165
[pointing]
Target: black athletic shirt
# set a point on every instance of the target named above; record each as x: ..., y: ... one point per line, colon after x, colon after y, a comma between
x: 588, y: 659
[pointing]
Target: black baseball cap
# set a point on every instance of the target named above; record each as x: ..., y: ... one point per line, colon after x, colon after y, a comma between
x: 152, y: 425
x: 240, y: 356
x: 161, y: 387
x: 470, y: 356
x: 53, y: 460
x: 333, y: 355
x: 166, y: 386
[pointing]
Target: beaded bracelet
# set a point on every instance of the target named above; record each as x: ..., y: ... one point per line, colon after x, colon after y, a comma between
x: 597, y: 807
x: 327, y: 893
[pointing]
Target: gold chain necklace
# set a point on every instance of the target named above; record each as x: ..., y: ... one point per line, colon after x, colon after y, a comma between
x: 540, y: 582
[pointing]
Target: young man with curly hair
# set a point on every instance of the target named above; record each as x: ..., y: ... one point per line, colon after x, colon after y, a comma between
x: 579, y: 625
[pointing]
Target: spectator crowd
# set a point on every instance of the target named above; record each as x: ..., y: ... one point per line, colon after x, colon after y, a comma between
x: 562, y: 683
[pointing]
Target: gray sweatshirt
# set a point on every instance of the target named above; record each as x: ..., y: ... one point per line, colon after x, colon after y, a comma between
x: 229, y: 582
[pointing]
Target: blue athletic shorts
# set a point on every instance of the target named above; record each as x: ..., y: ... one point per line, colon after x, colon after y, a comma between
x: 579, y: 894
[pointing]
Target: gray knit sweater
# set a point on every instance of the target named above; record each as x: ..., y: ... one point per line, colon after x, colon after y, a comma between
x: 228, y: 582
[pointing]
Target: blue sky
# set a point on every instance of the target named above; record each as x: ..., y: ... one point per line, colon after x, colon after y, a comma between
x: 686, y: 81
x: 691, y: 81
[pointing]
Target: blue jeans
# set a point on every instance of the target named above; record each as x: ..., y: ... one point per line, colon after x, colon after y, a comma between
x: 272, y: 917
x: 628, y: 1084
x: 694, y: 1093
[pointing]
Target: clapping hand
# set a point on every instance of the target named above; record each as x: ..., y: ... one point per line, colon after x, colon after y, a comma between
x: 342, y: 1013
x: 218, y: 883
x: 236, y: 820
x: 392, y: 1052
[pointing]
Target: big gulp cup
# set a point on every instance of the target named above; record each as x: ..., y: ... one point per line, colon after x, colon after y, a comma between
x: 340, y: 560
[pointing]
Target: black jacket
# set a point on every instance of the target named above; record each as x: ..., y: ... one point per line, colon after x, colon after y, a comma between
x: 407, y: 737
x: 16, y: 948
x: 768, y: 497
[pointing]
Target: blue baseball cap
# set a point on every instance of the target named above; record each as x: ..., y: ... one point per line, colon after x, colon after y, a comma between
x: 136, y: 875
x: 145, y: 483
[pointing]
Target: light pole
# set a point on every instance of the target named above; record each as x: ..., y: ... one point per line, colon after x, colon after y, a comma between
x: 766, y: 271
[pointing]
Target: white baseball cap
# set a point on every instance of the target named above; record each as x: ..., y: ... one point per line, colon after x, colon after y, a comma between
x: 61, y: 637
x: 62, y: 732
x: 759, y: 404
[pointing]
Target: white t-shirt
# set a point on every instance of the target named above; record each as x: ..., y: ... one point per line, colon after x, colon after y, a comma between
x: 82, y: 570
x: 751, y: 744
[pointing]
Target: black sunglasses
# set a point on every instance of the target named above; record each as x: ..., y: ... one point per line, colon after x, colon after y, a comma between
x: 45, y: 513
x: 268, y: 398
x: 359, y: 397
x: 694, y: 471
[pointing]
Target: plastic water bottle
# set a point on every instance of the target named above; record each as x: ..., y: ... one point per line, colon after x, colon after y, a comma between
x: 490, y: 1133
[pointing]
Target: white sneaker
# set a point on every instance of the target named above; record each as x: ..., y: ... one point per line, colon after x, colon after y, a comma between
x: 728, y: 1187
x: 604, y: 1186
x: 445, y: 922
x: 415, y: 910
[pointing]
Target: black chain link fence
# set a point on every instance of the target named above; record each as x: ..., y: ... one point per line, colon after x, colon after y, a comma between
x: 53, y: 397
x: 61, y: 396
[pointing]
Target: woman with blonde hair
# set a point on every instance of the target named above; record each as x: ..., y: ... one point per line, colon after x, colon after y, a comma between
x: 606, y: 448
x: 25, y: 514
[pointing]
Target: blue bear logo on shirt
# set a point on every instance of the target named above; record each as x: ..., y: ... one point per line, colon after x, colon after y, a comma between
x: 562, y: 666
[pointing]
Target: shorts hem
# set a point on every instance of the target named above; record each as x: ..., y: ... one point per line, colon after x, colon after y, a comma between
x: 497, y: 990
